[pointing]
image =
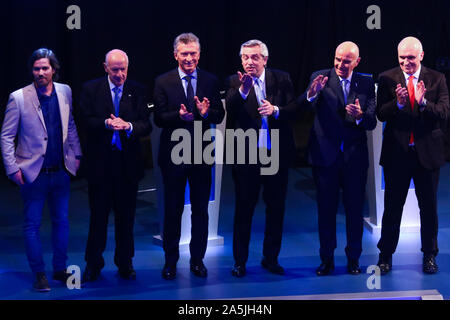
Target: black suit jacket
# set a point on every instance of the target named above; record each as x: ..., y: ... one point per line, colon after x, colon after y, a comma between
x: 243, y: 114
x: 96, y: 106
x: 427, y: 125
x: 333, y: 125
x: 168, y: 97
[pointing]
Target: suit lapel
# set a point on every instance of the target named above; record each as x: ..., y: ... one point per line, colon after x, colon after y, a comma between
x: 335, y: 85
x: 107, y: 97
x: 251, y: 106
x: 30, y: 94
x: 125, y: 100
x: 199, y: 91
x: 352, y: 95
x: 178, y: 86
x: 401, y: 79
x: 270, y: 86
x: 64, y: 109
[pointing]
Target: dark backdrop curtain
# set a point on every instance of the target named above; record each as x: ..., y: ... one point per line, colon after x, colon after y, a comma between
x: 301, y: 37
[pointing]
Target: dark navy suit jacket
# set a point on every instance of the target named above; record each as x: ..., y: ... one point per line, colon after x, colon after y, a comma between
x: 333, y: 128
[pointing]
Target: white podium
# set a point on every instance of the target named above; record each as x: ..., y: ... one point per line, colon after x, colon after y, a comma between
x: 214, y: 204
x: 375, y: 190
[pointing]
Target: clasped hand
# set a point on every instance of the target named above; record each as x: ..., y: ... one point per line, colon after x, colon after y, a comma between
x: 116, y: 123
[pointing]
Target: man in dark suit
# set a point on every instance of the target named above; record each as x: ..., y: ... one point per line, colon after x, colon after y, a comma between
x: 344, y: 102
x: 413, y: 101
x: 184, y: 97
x: 257, y: 101
x: 116, y: 116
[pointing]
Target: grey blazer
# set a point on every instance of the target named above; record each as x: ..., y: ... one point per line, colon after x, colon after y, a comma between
x: 24, y: 119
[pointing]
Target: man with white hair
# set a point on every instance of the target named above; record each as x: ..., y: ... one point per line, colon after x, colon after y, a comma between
x: 413, y: 101
x: 116, y: 116
x: 344, y: 102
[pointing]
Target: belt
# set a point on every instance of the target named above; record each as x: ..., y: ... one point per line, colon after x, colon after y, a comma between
x: 51, y: 169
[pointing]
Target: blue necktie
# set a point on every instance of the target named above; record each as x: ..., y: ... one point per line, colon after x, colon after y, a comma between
x: 264, y: 133
x: 116, y: 137
x: 345, y: 90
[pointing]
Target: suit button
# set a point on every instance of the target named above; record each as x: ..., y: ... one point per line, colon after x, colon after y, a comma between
x: 45, y: 138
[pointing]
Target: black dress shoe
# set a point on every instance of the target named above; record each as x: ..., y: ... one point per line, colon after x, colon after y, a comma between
x: 90, y: 275
x: 238, y: 271
x: 127, y: 273
x: 169, y: 272
x: 41, y: 283
x: 61, y: 276
x: 325, y: 268
x: 353, y: 268
x: 385, y: 264
x: 199, y: 269
x: 429, y: 264
x: 273, y: 267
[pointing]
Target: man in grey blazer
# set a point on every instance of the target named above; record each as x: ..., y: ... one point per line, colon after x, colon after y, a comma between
x: 48, y: 148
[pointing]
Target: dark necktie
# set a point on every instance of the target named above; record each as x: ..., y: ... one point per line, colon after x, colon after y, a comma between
x: 189, y: 94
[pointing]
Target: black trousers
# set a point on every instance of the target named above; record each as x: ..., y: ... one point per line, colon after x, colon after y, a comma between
x: 351, y: 177
x: 175, y: 178
x: 397, y: 180
x: 119, y: 194
x: 248, y: 183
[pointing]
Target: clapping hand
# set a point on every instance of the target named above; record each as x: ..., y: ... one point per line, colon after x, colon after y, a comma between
x: 184, y: 114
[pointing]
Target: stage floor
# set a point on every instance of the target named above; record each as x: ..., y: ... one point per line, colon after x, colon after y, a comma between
x: 299, y: 254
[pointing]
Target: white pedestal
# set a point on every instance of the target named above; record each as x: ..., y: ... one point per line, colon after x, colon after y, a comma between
x: 213, y: 207
x: 375, y: 190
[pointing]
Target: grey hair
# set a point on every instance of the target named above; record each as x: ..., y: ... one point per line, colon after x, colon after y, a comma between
x: 254, y: 43
x: 185, y: 38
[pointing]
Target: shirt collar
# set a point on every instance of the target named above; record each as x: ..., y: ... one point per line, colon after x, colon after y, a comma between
x: 262, y: 77
x: 349, y: 78
x: 112, y: 85
x: 415, y: 74
x: 41, y: 95
x: 182, y: 74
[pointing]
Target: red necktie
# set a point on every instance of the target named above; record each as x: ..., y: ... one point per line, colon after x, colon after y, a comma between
x: 412, y: 95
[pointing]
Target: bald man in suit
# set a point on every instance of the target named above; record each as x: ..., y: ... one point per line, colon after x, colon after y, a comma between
x: 115, y: 113
x: 413, y: 102
x: 344, y: 102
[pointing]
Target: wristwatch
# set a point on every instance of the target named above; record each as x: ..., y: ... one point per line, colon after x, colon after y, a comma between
x: 424, y: 103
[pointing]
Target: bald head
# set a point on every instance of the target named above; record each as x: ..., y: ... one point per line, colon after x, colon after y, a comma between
x: 410, y: 55
x: 348, y: 47
x: 410, y: 43
x: 346, y: 59
x: 116, y: 66
x: 116, y: 54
